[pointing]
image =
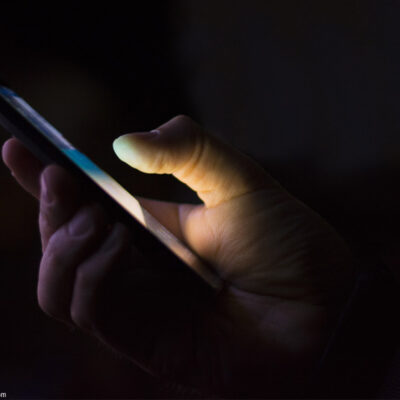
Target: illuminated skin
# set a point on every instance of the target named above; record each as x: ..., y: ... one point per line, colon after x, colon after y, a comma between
x: 286, y: 270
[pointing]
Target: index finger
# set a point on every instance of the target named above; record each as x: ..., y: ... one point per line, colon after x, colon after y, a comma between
x: 25, y: 167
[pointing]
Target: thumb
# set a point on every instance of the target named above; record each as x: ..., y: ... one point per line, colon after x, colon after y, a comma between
x: 214, y: 170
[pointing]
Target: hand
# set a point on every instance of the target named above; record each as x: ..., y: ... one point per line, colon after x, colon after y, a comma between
x: 285, y: 269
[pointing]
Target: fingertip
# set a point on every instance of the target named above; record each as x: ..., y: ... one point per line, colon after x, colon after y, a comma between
x: 4, y: 148
x: 23, y: 165
x: 117, y: 145
x: 9, y: 148
x: 53, y: 170
x: 49, y: 175
x: 58, y: 180
x: 59, y: 200
x: 88, y: 223
x: 127, y: 141
x: 120, y: 146
x: 125, y: 149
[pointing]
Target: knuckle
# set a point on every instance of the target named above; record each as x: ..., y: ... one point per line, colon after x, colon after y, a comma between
x: 184, y: 119
x: 45, y: 220
x: 58, y: 243
x: 188, y: 124
x: 52, y: 259
x: 81, y: 314
x: 84, y: 279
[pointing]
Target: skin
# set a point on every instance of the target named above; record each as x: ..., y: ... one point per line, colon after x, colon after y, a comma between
x: 286, y: 272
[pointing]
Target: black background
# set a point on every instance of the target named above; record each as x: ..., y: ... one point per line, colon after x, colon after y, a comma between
x: 97, y: 72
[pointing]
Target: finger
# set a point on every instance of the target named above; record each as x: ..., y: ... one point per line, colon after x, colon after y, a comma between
x: 171, y: 215
x: 92, y: 273
x: 180, y: 147
x: 187, y: 222
x: 59, y: 200
x: 67, y: 248
x: 24, y: 166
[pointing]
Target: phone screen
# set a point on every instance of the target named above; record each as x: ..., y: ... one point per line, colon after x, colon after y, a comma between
x: 104, y: 181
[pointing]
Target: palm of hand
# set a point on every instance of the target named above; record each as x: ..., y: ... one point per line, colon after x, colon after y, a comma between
x: 279, y: 261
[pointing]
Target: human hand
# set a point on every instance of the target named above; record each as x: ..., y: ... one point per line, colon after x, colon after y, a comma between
x: 285, y: 269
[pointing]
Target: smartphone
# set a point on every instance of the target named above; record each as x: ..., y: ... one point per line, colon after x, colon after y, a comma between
x: 49, y: 145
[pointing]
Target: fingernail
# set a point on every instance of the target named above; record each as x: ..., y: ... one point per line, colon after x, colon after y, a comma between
x: 46, y: 194
x: 81, y: 223
x: 144, y: 135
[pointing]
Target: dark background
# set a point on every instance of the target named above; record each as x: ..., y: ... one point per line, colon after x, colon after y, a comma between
x: 308, y: 88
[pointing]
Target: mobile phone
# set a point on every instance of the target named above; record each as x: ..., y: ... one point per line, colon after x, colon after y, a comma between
x: 48, y: 145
